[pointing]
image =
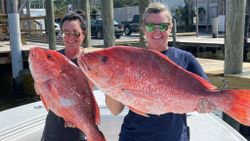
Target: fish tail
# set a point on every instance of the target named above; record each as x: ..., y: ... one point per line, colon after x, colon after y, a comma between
x: 240, y: 106
x: 103, y: 138
x: 92, y: 132
x: 98, y: 137
x: 97, y: 112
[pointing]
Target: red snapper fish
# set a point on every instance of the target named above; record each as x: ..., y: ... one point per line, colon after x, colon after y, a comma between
x: 149, y: 82
x: 65, y: 90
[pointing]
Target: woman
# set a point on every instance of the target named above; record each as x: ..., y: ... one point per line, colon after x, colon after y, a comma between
x: 73, y: 27
x: 157, y: 26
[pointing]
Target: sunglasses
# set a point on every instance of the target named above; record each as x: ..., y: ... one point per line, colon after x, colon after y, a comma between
x: 150, y: 27
x: 73, y: 33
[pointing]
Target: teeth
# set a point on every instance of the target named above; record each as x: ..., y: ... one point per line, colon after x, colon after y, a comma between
x: 71, y: 41
x: 156, y: 37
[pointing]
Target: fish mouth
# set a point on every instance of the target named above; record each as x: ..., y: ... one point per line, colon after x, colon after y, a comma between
x: 39, y: 75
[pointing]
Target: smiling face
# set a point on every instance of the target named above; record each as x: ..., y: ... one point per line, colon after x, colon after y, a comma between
x: 73, y: 38
x: 157, y: 40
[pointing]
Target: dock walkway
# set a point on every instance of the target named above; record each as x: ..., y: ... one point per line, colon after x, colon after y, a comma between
x: 214, y: 68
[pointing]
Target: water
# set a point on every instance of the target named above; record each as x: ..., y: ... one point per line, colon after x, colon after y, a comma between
x: 11, y: 96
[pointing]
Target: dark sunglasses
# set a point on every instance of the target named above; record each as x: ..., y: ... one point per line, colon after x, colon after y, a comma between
x: 74, y: 33
x: 150, y: 27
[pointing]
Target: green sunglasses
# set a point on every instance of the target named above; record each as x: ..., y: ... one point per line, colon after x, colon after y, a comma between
x: 150, y: 27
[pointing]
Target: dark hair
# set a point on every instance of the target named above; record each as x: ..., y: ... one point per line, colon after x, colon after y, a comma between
x: 76, y: 15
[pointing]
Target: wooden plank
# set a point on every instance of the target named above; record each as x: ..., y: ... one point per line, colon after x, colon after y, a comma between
x: 211, y: 66
x: 31, y: 30
x: 216, y: 67
x: 33, y: 18
x: 5, y: 60
x: 233, y: 82
x: 5, y: 50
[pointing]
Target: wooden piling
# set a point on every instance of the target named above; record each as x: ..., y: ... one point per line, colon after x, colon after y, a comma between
x: 85, y: 6
x: 50, y: 23
x: 108, y: 23
x: 143, y: 4
x: 235, y: 19
x: 15, y: 43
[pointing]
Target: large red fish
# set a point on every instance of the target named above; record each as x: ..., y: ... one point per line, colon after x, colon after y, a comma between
x: 65, y: 90
x: 149, y: 82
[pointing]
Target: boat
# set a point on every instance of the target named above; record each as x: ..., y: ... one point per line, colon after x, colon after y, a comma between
x: 26, y: 123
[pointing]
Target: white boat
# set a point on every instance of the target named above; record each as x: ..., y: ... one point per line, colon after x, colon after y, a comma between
x: 25, y: 123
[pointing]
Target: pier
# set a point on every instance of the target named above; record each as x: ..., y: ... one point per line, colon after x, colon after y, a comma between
x: 214, y: 68
x: 197, y: 45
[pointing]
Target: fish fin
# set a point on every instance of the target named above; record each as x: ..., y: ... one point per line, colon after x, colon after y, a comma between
x: 240, y: 106
x: 137, y: 94
x: 97, y: 112
x: 203, y: 81
x: 141, y: 96
x: 138, y: 112
x: 36, y: 87
x: 44, y: 103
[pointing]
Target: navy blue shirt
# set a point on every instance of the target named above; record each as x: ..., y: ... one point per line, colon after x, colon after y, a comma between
x: 166, y: 127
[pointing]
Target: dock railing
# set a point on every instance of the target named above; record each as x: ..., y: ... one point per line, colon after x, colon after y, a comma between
x: 28, y: 25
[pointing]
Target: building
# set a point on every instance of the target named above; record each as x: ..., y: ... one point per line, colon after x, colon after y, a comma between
x: 37, y: 4
x: 207, y: 10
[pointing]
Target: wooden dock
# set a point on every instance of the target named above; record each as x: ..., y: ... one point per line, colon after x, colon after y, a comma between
x: 214, y: 68
x: 5, y: 57
x: 215, y: 71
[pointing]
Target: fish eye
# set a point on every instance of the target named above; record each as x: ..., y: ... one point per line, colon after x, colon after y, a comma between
x: 49, y: 56
x: 104, y: 59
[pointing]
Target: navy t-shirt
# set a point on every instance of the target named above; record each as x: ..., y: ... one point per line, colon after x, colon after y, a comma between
x: 166, y: 127
x: 62, y: 51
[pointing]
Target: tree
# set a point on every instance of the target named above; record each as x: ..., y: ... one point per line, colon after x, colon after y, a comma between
x: 60, y: 8
x: 190, y: 14
x: 125, y: 3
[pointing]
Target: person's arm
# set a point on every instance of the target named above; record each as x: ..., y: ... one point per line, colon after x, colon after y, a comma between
x: 114, y: 106
x: 195, y: 67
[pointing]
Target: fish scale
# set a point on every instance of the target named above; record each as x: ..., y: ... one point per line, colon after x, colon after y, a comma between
x: 65, y: 90
x: 148, y: 82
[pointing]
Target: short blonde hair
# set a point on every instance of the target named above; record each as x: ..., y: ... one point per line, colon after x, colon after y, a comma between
x: 156, y: 8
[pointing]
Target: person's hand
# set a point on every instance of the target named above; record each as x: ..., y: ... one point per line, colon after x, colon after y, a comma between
x: 205, y: 106
x: 68, y: 124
